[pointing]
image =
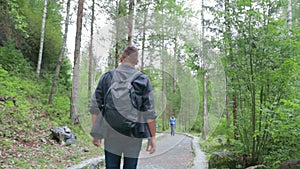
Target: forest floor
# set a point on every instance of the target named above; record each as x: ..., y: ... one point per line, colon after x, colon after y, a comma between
x: 27, y: 144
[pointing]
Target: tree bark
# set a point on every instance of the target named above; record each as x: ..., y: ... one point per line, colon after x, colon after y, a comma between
x: 74, y: 94
x: 91, y: 58
x: 61, y: 54
x: 38, y: 71
x: 175, y: 64
x: 144, y: 35
x: 229, y: 54
x: 117, y: 33
x: 130, y: 23
x: 204, y: 120
x: 290, y: 15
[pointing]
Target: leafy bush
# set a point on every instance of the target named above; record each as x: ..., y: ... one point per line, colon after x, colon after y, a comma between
x: 12, y: 60
x: 285, y: 134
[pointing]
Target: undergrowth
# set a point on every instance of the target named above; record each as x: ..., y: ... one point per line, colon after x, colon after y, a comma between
x: 25, y: 120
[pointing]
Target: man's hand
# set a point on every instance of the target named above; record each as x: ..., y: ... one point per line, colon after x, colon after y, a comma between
x: 151, y: 147
x: 96, y: 142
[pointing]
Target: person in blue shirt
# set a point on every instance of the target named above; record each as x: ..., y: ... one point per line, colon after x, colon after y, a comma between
x: 172, y: 124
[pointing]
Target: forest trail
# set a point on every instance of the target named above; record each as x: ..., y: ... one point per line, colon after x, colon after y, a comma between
x: 181, y: 151
x: 176, y: 152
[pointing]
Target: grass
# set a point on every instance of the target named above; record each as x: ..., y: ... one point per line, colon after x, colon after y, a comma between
x: 25, y: 127
x: 33, y: 147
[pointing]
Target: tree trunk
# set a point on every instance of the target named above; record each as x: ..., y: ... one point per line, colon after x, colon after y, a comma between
x: 117, y: 33
x: 144, y: 35
x: 204, y: 120
x: 175, y: 65
x: 74, y: 94
x: 91, y: 51
x: 227, y: 104
x: 229, y: 54
x: 234, y: 117
x: 38, y: 71
x: 163, y: 83
x: 290, y: 15
x: 130, y: 23
x: 61, y: 54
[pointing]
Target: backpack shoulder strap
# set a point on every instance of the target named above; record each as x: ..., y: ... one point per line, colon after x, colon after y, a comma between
x: 134, y: 76
x: 108, y: 90
x: 131, y: 79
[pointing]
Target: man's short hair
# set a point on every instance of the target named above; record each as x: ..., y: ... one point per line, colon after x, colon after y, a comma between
x: 130, y: 53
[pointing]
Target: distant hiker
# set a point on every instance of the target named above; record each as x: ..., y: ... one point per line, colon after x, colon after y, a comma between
x: 172, y: 124
x: 123, y: 112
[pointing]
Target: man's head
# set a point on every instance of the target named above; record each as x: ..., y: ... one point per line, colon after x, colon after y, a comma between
x: 130, y: 55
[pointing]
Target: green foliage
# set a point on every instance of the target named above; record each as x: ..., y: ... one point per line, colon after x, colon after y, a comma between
x: 12, y: 60
x: 285, y: 134
x: 21, y: 28
x: 33, y: 11
x: 263, y: 78
x: 17, y: 16
x: 13, y: 19
x: 197, y: 127
x: 23, y: 125
x: 3, y: 73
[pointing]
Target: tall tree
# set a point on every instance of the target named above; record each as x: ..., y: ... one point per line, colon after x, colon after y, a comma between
x: 163, y: 83
x: 204, y: 66
x: 91, y: 58
x: 119, y: 11
x: 61, y: 54
x: 290, y: 14
x: 74, y: 94
x: 38, y: 71
x: 228, y: 49
x: 255, y: 46
x: 144, y: 27
x: 131, y: 21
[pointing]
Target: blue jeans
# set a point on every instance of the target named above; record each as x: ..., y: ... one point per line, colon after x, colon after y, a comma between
x: 116, y: 147
x: 113, y: 161
x: 172, y: 129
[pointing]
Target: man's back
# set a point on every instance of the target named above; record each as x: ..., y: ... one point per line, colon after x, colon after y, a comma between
x: 116, y: 147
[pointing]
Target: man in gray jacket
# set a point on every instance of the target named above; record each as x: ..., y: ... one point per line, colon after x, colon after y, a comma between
x: 117, y: 144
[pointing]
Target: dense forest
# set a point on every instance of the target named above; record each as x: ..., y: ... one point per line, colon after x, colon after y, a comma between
x: 228, y: 70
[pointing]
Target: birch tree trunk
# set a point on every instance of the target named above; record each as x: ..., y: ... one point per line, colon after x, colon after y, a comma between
x: 74, y: 94
x: 290, y: 15
x: 61, y: 54
x: 38, y: 71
